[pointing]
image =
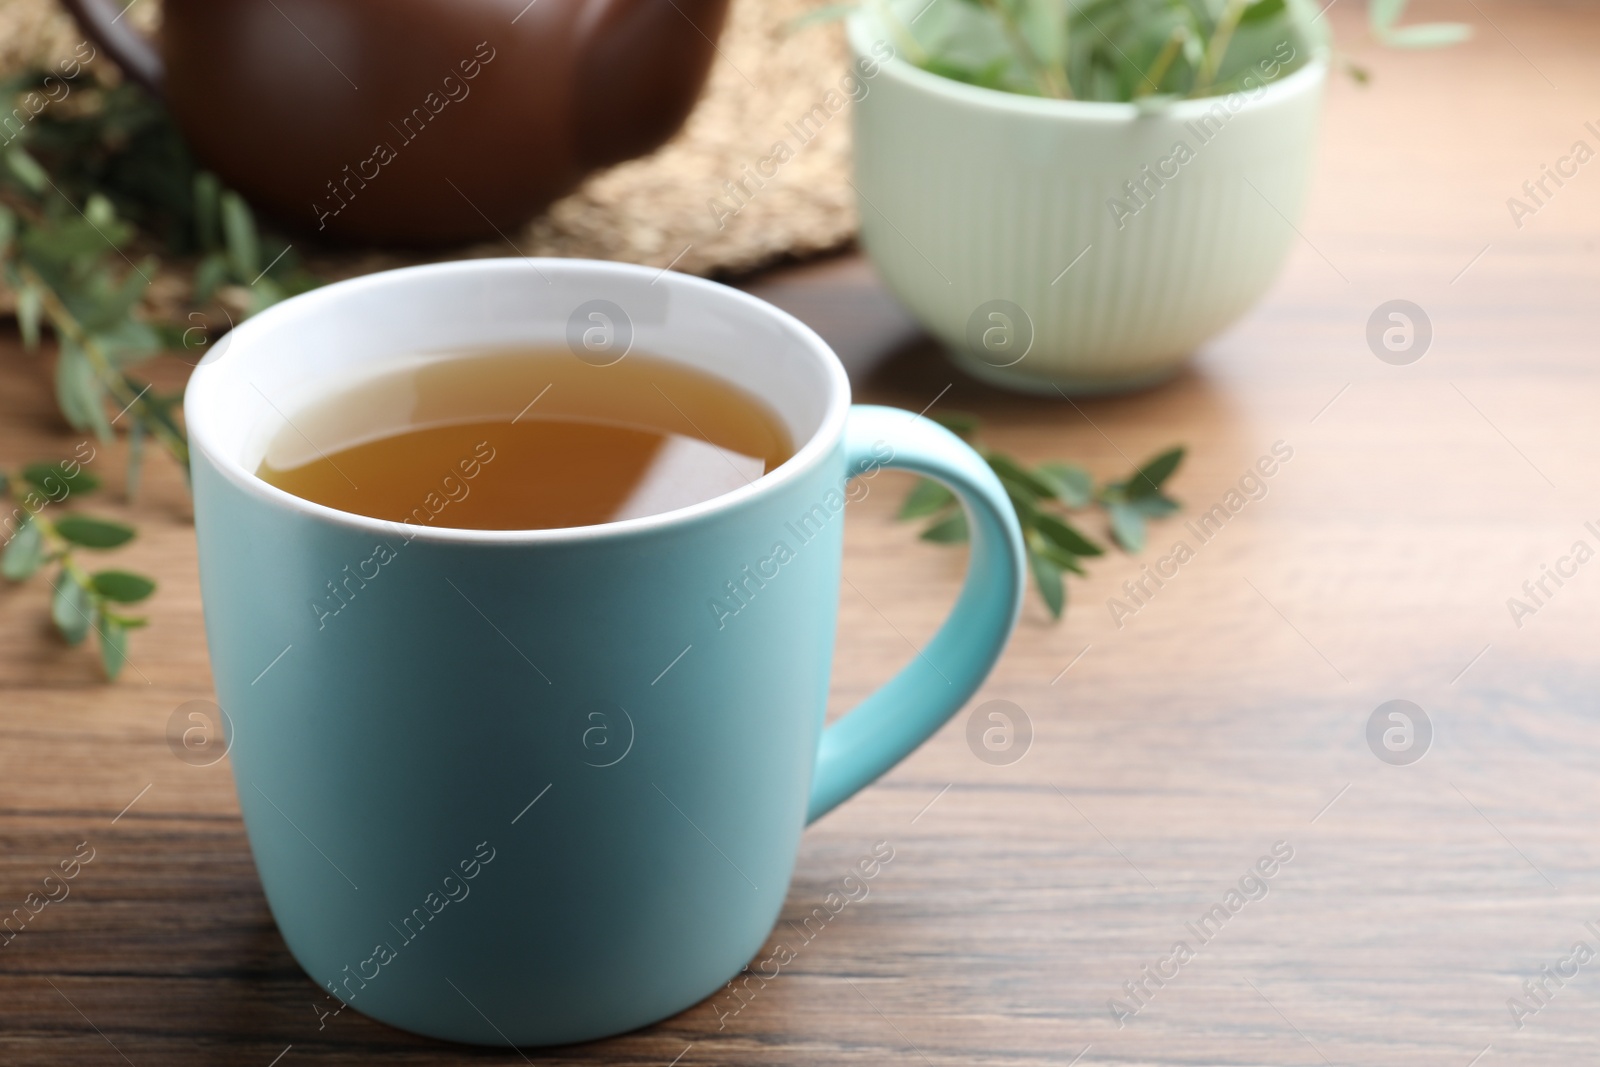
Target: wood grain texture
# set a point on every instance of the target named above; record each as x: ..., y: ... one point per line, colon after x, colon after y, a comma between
x: 1226, y: 715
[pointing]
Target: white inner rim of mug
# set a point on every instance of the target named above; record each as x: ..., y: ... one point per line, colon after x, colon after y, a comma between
x: 248, y: 389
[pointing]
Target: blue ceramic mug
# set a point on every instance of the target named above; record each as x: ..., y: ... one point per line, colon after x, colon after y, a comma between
x: 535, y: 787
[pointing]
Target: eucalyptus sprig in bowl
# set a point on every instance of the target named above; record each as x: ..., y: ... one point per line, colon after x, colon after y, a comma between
x: 1073, y: 195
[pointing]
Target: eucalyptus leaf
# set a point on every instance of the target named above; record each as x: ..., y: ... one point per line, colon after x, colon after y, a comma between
x: 207, y: 191
x: 79, y: 392
x: 958, y: 423
x: 123, y: 587
x: 27, y: 170
x: 1022, y: 502
x: 1014, y: 473
x: 71, y: 609
x: 1154, y: 103
x: 136, y: 435
x: 157, y: 409
x: 209, y: 275
x: 239, y: 234
x: 128, y: 341
x: 1155, y: 506
x: 29, y: 306
x: 1073, y: 485
x: 1048, y: 580
x: 926, y: 498
x: 112, y: 306
x: 1263, y: 11
x: 59, y: 480
x: 1382, y: 14
x: 1147, y: 480
x: 952, y: 530
x: 99, y: 212
x: 1062, y: 533
x: 264, y: 293
x: 1427, y: 35
x: 113, y: 646
x: 1127, y: 525
x: 93, y: 533
x: 990, y: 76
x: 24, y: 554
x: 1060, y: 556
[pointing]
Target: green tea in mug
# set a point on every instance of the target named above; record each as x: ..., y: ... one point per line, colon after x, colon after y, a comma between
x: 525, y: 439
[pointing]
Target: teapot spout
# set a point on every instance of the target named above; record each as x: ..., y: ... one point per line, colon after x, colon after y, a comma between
x: 641, y: 65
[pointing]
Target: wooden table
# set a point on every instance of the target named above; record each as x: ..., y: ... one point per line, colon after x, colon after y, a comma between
x: 1167, y: 755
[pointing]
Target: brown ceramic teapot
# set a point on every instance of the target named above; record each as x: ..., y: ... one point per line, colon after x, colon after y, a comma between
x: 416, y: 121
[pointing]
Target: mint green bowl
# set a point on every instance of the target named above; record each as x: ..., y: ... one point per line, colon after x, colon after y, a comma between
x: 1004, y: 222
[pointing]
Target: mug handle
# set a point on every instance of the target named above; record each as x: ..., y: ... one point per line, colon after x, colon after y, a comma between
x: 883, y: 729
x: 101, y: 21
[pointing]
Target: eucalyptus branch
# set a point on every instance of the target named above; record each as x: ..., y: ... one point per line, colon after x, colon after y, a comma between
x: 122, y: 389
x: 1123, y: 50
x: 1217, y: 46
x: 82, y: 601
x: 1045, y: 497
x: 78, y: 195
x: 1158, y: 68
x: 904, y: 41
x: 1042, y: 73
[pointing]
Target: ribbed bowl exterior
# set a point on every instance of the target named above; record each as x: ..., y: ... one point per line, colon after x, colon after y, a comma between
x: 970, y: 196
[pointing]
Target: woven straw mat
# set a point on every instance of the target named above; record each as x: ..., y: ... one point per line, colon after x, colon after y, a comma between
x: 656, y: 210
